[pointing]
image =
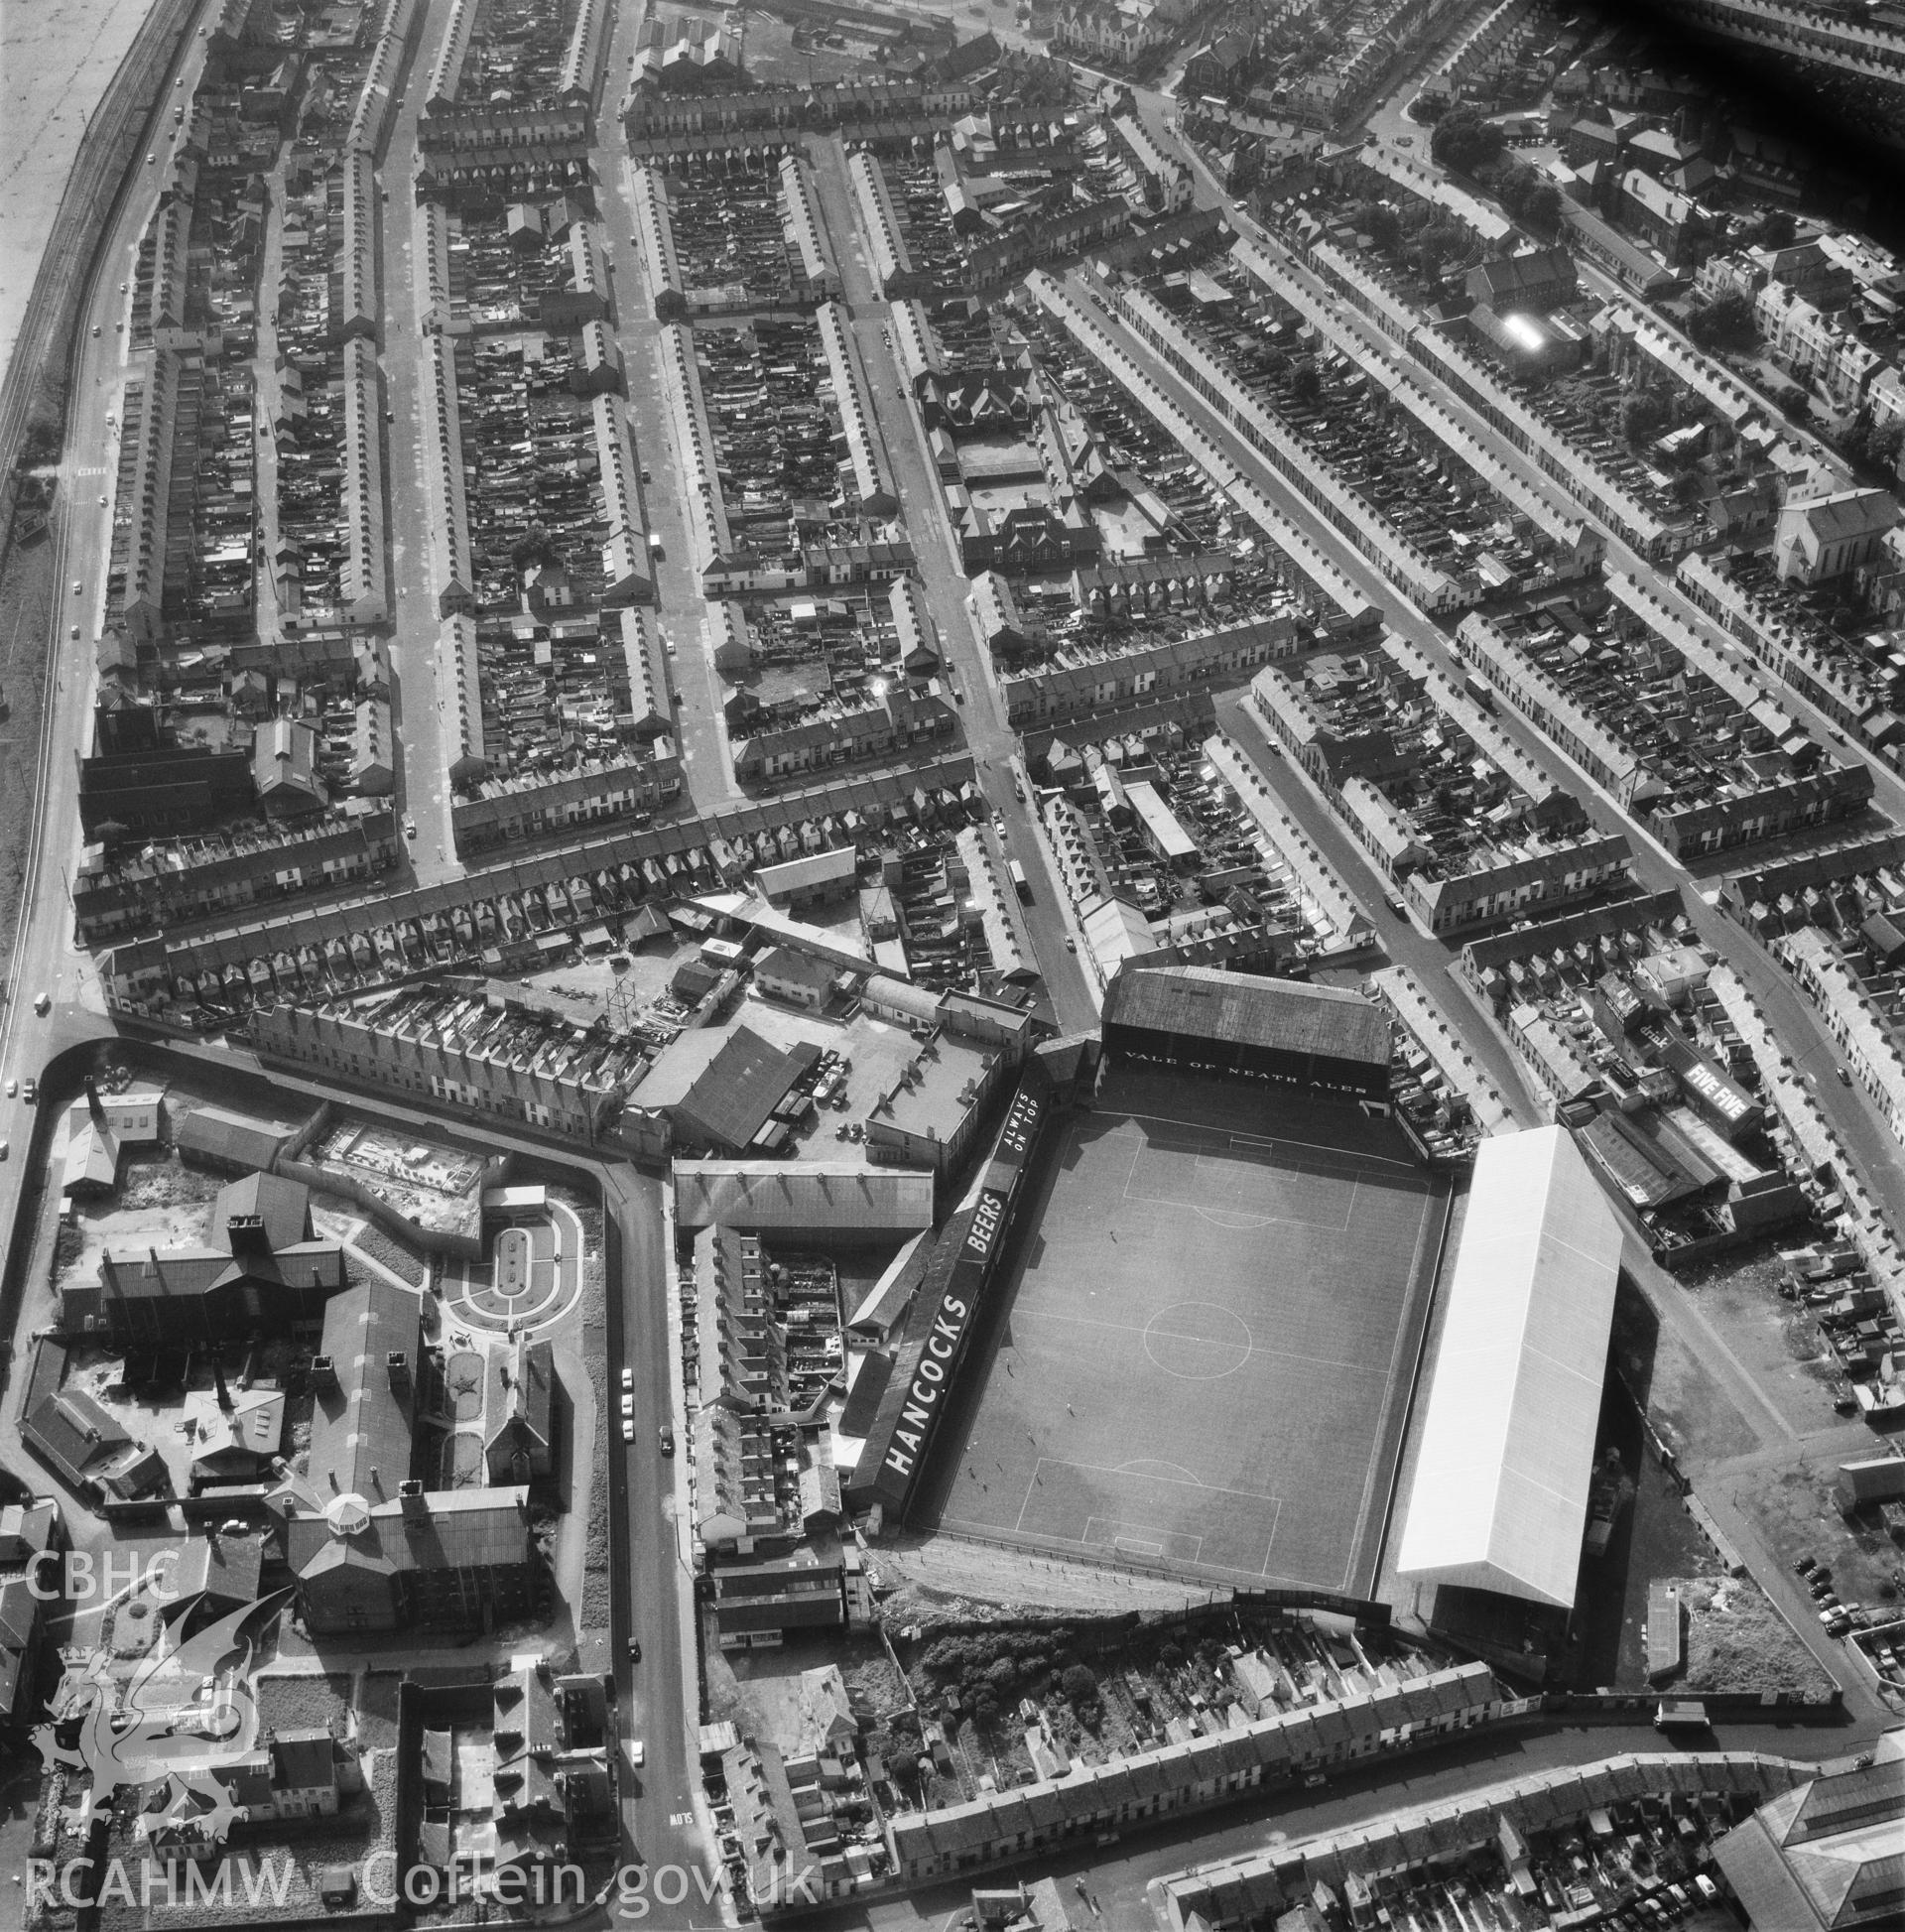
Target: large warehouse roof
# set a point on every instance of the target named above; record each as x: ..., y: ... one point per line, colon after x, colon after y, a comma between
x: 813, y: 1196
x: 1500, y: 1496
x: 1283, y: 1015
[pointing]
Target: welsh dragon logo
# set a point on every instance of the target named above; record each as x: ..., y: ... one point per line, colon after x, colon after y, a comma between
x: 143, y: 1732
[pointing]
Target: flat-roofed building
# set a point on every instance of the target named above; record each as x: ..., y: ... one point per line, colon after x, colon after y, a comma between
x: 1499, y: 1501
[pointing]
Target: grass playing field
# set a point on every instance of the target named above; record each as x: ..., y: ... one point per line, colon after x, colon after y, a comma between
x: 1203, y: 1346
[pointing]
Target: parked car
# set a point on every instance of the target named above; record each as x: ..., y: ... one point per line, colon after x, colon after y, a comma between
x: 628, y: 1428
x: 634, y: 1651
x: 668, y: 1439
x: 628, y: 1379
x: 628, y: 1403
x: 1804, y: 1565
x: 13, y: 1087
x: 31, y: 1092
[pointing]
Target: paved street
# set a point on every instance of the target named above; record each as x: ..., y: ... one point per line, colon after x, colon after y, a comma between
x: 423, y: 693
x: 46, y: 958
x: 655, y: 1601
x: 923, y: 512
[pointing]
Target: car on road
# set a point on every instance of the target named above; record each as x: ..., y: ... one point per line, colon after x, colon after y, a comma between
x: 668, y: 1439
x: 5, y: 1149
x: 75, y: 633
x: 1313, y: 1780
x: 77, y: 586
x: 95, y: 329
x: 1405, y: 139
x: 1844, y: 1078
x: 637, y: 1753
x: 102, y: 503
x: 1071, y: 944
x: 31, y: 1092
x: 13, y: 1087
x: 634, y: 1651
x: 43, y: 1005
x: 152, y: 159
x: 1395, y: 905
x: 122, y: 288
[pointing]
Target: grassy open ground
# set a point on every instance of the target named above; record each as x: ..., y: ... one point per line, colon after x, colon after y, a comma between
x: 1205, y: 1339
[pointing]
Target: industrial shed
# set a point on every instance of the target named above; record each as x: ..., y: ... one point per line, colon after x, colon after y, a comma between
x: 1266, y: 1029
x: 1500, y: 1494
x: 731, y: 1107
x: 833, y: 1200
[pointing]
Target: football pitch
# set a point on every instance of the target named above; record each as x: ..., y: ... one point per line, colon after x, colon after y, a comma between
x: 1205, y: 1340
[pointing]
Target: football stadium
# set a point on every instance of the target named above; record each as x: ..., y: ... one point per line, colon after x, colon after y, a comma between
x: 1179, y: 1325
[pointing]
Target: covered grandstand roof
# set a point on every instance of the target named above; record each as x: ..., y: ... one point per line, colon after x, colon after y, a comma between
x: 1281, y: 1015
x: 816, y: 1196
x: 1500, y: 1494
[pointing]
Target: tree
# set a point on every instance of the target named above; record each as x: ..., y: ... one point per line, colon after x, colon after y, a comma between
x: 1725, y: 322
x: 1306, y: 383
x: 1542, y: 209
x: 1378, y: 221
x: 1078, y: 1685
x: 671, y: 305
x: 1642, y: 416
x: 1465, y: 139
x: 534, y: 546
x: 1870, y: 448
x: 1777, y: 229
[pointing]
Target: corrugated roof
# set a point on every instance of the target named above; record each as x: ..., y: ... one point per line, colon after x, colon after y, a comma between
x: 738, y: 1089
x: 812, y: 872
x: 1500, y: 1494
x: 216, y: 1134
x: 814, y: 1197
x: 1278, y: 1016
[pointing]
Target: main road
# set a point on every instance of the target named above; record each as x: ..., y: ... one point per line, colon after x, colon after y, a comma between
x: 923, y: 513
x: 46, y: 963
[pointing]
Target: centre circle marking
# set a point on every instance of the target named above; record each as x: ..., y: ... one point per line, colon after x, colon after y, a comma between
x: 1197, y: 1341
